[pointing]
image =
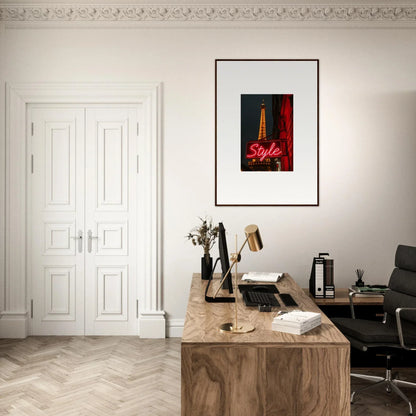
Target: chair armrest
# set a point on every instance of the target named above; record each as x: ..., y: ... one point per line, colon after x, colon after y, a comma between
x: 353, y: 293
x: 400, y: 329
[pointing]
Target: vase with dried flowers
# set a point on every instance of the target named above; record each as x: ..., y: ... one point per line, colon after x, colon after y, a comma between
x: 204, y: 235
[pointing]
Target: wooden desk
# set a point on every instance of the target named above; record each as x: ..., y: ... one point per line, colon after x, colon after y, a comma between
x: 264, y: 372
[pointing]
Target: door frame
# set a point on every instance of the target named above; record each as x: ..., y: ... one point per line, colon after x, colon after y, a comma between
x: 14, y: 318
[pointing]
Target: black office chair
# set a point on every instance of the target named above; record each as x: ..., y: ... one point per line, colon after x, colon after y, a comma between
x: 398, y: 330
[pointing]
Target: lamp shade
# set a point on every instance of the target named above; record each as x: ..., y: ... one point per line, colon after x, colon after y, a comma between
x: 253, y: 237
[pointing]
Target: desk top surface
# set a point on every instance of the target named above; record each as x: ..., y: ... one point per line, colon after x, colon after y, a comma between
x: 203, y: 319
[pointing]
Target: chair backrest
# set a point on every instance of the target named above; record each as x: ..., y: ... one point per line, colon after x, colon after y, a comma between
x: 402, y: 284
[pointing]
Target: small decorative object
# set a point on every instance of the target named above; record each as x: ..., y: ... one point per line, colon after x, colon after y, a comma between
x: 359, y: 282
x: 204, y: 235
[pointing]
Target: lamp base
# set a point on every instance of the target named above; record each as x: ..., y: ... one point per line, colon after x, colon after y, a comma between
x: 241, y: 329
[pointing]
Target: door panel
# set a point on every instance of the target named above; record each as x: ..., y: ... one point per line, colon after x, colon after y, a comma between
x: 112, y: 238
x: 112, y: 293
x: 111, y: 158
x: 60, y: 293
x: 111, y: 211
x: 57, y: 213
x: 60, y: 166
x: 84, y: 184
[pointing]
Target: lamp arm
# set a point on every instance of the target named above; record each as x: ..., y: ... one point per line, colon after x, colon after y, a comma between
x: 230, y: 268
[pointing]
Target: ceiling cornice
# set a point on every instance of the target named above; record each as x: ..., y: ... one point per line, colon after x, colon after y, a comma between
x: 207, y: 13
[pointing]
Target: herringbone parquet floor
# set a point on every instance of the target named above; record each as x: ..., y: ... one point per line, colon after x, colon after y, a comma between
x: 118, y: 376
x: 90, y: 376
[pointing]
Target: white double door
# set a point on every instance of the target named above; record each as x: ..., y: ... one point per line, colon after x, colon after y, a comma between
x: 82, y: 213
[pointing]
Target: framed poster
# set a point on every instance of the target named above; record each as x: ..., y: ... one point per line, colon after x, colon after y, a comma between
x: 266, y: 132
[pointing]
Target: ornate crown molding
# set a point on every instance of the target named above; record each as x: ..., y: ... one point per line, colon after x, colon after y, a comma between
x: 205, y: 13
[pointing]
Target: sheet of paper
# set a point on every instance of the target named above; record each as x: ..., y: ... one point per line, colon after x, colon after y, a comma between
x: 262, y: 277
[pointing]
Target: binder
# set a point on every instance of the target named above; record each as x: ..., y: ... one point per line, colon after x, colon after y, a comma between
x: 321, y: 281
x: 329, y: 279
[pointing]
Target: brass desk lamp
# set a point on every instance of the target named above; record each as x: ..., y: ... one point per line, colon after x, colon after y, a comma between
x: 253, y: 239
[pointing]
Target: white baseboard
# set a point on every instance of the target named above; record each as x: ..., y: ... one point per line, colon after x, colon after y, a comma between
x: 13, y: 325
x: 175, y: 328
x: 152, y: 324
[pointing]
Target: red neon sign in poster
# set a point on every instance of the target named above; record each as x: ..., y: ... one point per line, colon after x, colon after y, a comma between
x: 263, y: 149
x: 267, y: 132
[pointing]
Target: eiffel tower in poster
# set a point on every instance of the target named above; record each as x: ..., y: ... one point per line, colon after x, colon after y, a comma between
x: 268, y: 164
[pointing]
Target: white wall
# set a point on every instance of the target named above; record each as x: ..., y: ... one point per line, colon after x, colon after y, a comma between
x: 367, y: 135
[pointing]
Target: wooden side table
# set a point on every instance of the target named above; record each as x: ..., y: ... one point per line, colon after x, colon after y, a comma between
x: 366, y: 307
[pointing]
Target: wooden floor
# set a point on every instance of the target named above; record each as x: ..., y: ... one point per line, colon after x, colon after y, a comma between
x: 97, y: 376
x: 119, y: 376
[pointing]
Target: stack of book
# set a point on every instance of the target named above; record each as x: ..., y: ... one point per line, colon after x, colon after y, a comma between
x: 296, y: 322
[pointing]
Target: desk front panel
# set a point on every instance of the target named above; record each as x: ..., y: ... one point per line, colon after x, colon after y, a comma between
x: 258, y: 380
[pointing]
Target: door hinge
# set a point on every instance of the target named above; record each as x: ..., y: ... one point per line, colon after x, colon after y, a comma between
x: 137, y: 308
x: 31, y: 308
x: 137, y: 129
x: 137, y: 163
x: 31, y: 163
x: 32, y: 128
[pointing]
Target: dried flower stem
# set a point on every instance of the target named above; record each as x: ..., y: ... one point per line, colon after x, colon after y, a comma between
x: 204, y: 235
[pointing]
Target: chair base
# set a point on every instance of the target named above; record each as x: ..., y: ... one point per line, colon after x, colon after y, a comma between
x: 391, y: 384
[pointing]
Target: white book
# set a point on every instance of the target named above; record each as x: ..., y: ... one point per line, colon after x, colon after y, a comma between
x: 262, y: 277
x: 296, y: 322
x: 292, y: 330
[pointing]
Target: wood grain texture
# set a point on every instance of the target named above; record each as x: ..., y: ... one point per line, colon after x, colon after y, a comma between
x: 342, y: 299
x: 265, y: 372
x: 203, y: 319
x: 325, y: 381
x: 282, y: 397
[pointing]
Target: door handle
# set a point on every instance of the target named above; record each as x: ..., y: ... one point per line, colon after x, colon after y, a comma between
x: 90, y: 237
x: 79, y: 238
